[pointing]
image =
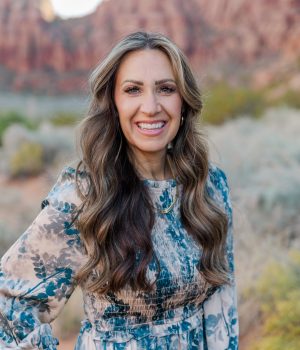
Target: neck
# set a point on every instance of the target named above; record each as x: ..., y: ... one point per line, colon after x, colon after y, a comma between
x: 150, y: 165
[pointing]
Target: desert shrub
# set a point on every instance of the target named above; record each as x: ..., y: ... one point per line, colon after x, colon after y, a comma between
x: 291, y: 98
x: 225, y: 102
x: 64, y: 119
x: 58, y: 143
x: 279, y: 293
x: 9, y: 118
x: 27, y: 160
x: 6, y: 238
x: 27, y: 152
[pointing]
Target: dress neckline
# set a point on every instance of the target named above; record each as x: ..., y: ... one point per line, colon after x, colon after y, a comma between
x: 160, y: 183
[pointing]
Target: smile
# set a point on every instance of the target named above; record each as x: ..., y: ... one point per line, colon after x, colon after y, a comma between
x: 151, y: 126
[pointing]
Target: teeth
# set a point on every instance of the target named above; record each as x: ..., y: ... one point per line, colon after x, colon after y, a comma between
x: 151, y: 126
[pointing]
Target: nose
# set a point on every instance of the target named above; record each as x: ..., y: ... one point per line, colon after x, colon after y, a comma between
x: 150, y: 104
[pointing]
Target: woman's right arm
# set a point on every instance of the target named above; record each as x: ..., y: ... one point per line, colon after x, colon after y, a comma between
x: 37, y: 272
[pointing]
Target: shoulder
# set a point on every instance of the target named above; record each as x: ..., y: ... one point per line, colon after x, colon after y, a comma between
x: 217, y: 177
x: 66, y: 193
x: 217, y: 186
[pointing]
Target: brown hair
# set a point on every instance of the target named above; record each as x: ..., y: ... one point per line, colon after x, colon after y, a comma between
x: 112, y: 228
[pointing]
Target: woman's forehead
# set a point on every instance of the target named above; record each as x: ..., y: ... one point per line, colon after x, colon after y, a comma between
x: 142, y: 64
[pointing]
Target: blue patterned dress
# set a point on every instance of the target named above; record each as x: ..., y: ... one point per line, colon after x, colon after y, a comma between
x: 183, y: 312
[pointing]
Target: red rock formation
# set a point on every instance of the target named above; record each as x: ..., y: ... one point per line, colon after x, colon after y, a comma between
x: 221, y: 38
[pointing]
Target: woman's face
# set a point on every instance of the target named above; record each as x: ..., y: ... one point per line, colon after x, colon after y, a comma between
x: 147, y: 100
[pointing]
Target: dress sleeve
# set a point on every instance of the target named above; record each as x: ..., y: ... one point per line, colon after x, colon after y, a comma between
x: 37, y: 272
x: 220, y: 309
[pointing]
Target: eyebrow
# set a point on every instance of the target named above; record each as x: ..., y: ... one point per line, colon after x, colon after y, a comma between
x: 158, y: 82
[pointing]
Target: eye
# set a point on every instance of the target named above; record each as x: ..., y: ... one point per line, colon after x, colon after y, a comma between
x: 166, y: 89
x: 132, y: 90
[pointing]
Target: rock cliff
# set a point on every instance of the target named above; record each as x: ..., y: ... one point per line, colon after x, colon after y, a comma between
x: 233, y: 39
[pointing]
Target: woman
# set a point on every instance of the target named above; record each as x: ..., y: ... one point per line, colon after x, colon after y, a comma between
x: 143, y: 224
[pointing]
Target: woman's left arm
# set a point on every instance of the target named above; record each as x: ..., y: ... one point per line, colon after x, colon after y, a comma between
x: 220, y: 309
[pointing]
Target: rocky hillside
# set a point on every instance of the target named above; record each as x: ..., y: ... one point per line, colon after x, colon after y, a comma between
x: 256, y: 42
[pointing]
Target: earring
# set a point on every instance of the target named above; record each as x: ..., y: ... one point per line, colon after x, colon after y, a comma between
x: 182, y: 120
x: 170, y: 146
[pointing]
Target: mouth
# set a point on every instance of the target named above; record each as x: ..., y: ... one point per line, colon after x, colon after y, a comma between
x: 151, y: 126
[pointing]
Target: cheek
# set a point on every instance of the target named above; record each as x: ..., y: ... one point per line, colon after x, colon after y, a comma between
x: 125, y: 123
x: 176, y: 112
x: 175, y: 108
x: 125, y: 107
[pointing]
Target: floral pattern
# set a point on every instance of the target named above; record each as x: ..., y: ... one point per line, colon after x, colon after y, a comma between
x: 182, y: 312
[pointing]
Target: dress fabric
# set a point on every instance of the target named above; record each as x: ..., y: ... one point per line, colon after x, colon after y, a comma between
x: 182, y: 312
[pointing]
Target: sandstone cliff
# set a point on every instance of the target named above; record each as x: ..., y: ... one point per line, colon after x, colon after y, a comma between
x: 237, y: 39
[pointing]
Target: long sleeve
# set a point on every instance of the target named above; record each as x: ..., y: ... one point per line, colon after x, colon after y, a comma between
x: 37, y: 272
x: 220, y: 309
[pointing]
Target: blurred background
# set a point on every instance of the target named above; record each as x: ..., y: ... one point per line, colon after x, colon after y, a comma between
x: 246, y: 56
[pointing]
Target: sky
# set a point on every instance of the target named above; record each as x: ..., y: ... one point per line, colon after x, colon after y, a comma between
x: 74, y: 8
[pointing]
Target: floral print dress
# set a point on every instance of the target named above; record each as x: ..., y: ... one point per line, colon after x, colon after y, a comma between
x: 183, y: 312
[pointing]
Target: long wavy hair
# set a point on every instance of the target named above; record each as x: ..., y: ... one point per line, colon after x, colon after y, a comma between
x: 116, y: 215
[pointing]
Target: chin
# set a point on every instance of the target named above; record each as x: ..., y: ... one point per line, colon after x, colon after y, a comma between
x: 153, y: 149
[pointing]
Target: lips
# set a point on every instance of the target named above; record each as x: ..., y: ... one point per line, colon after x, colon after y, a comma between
x: 151, y: 126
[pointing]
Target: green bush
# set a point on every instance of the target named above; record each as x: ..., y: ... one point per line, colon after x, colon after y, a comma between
x: 279, y: 293
x: 27, y: 160
x: 9, y: 118
x: 64, y: 119
x: 290, y: 98
x: 225, y: 102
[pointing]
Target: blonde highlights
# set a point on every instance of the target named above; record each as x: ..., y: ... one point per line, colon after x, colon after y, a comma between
x: 116, y: 216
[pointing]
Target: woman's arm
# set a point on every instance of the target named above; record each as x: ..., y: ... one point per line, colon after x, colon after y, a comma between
x: 37, y: 272
x: 220, y: 309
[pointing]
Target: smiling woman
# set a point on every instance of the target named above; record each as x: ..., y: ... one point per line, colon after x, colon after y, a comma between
x: 149, y: 106
x: 74, y: 8
x: 143, y: 223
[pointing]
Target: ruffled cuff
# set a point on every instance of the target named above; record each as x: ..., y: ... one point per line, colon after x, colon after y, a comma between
x: 41, y: 338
